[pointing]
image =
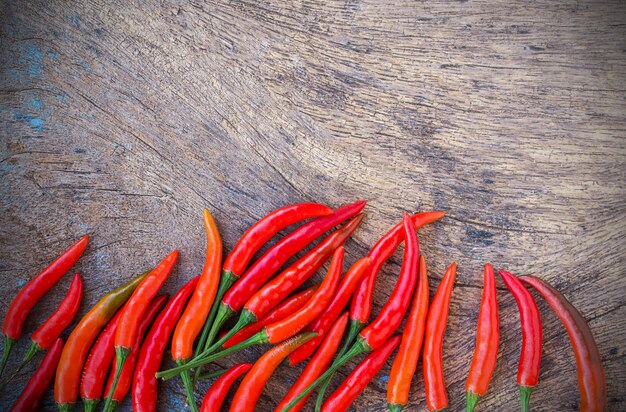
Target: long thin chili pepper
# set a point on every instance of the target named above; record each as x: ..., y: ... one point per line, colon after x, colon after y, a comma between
x: 318, y: 364
x: 284, y: 328
x: 144, y: 394
x: 194, y: 316
x: 252, y: 385
x: 530, y: 355
x: 436, y: 322
x: 390, y: 316
x: 272, y: 260
x: 126, y: 376
x: 487, y: 341
x: 33, y: 392
x: 283, y: 310
x: 51, y: 329
x: 360, y: 377
x: 405, y: 362
x: 128, y: 325
x: 32, y: 292
x: 591, y: 378
x: 250, y: 243
x: 323, y: 323
x: 77, y: 346
x: 216, y: 394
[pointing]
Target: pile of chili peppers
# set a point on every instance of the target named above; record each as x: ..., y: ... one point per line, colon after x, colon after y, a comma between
x: 118, y: 346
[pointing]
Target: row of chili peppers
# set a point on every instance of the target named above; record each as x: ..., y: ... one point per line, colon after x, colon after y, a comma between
x: 312, y: 322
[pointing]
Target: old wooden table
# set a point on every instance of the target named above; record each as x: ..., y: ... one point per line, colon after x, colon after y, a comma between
x: 124, y: 119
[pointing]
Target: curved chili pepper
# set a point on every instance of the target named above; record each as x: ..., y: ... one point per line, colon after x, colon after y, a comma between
x: 360, y: 377
x: 284, y: 328
x: 77, y: 346
x: 33, y: 392
x: 487, y: 340
x: 144, y: 394
x: 405, y: 363
x: 126, y: 376
x: 530, y: 355
x: 323, y: 323
x: 32, y: 293
x: 591, y: 378
x: 283, y: 310
x: 126, y: 332
x: 272, y: 260
x: 318, y: 364
x: 216, y: 394
x: 390, y: 316
x: 252, y: 385
x: 436, y: 322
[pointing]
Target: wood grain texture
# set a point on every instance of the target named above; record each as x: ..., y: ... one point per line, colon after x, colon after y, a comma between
x: 124, y: 119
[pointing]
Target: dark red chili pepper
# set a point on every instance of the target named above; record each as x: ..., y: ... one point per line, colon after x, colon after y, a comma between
x: 251, y: 387
x: 591, y: 378
x: 405, y: 363
x: 272, y: 260
x: 126, y: 376
x: 318, y: 364
x: 436, y: 322
x: 360, y: 377
x: 216, y: 394
x: 33, y: 291
x: 144, y: 394
x: 33, y: 392
x: 323, y: 323
x: 530, y: 356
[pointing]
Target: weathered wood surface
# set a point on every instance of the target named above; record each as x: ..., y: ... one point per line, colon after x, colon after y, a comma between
x: 124, y: 119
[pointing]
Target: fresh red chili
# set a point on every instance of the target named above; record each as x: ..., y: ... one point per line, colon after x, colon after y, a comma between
x: 77, y: 346
x: 390, y: 316
x: 436, y: 322
x: 126, y: 376
x: 144, y: 393
x: 33, y: 392
x: 32, y: 293
x: 272, y: 260
x: 252, y: 385
x: 591, y: 378
x: 487, y: 340
x: 405, y: 362
x: 322, y: 324
x: 360, y: 377
x: 530, y: 355
x: 318, y: 364
x: 126, y: 333
x: 216, y: 394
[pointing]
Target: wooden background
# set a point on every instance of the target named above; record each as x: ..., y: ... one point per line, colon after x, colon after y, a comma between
x: 124, y: 119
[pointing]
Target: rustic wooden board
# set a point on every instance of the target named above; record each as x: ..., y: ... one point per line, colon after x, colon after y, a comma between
x: 124, y: 119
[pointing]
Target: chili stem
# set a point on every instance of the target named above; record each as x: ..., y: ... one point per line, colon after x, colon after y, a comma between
x: 89, y: 405
x: 472, y: 400
x: 187, y: 382
x: 8, y: 345
x: 121, y: 354
x: 32, y: 351
x: 213, y: 374
x: 524, y: 394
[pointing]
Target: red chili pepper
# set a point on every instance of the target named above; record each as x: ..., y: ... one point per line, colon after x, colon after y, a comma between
x: 323, y: 323
x: 530, y: 356
x: 216, y: 394
x: 251, y: 387
x: 272, y: 260
x: 318, y: 364
x: 360, y: 377
x: 487, y: 340
x: 77, y: 346
x: 33, y: 392
x: 436, y: 322
x: 283, y: 310
x: 591, y: 378
x: 144, y: 394
x: 32, y: 293
x: 126, y: 376
x: 405, y: 363
x: 126, y: 333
